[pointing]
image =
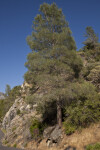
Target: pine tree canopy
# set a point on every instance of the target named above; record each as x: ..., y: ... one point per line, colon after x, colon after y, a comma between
x: 49, y: 29
x: 92, y: 39
x: 53, y: 47
x: 53, y: 61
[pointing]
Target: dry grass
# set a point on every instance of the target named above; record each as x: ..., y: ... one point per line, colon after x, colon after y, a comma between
x: 78, y: 140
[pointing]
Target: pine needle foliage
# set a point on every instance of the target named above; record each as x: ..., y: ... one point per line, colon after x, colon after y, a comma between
x: 53, y: 60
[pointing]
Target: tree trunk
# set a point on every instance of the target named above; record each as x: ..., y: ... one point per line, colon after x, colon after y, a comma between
x: 59, y: 114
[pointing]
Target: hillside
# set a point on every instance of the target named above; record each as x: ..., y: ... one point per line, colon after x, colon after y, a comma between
x: 58, y: 105
x: 20, y: 116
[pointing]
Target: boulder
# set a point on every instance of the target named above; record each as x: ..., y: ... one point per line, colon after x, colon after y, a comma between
x: 48, y: 131
x: 56, y: 134
x: 28, y: 108
x: 52, y: 135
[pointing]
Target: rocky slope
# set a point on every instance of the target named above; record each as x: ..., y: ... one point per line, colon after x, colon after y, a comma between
x: 3, y: 147
x: 77, y: 141
x: 17, y: 122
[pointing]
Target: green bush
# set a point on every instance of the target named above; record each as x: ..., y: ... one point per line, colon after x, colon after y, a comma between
x: 15, y: 145
x: 8, y: 102
x: 15, y: 92
x: 85, y: 106
x: 18, y: 112
x: 69, y: 128
x: 36, y: 129
x: 4, y: 107
x: 93, y: 147
x: 5, y: 142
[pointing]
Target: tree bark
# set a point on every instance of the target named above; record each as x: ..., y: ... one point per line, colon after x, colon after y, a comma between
x: 59, y: 114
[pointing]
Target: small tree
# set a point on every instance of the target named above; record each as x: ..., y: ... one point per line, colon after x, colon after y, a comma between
x: 92, y: 39
x: 15, y: 92
x: 7, y: 90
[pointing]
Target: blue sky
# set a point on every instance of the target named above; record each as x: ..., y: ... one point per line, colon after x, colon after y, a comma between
x: 16, y: 18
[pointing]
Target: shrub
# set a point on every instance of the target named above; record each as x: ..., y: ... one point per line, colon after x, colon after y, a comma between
x: 85, y: 106
x: 15, y: 92
x: 15, y: 145
x: 69, y: 128
x: 93, y: 147
x: 9, y: 100
x: 4, y: 107
x: 5, y: 142
x: 36, y: 129
x: 18, y: 112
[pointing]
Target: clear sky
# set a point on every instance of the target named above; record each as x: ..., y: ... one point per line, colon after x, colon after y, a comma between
x: 16, y: 18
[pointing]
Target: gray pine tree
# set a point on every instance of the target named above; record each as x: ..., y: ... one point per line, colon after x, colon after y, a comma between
x: 53, y: 62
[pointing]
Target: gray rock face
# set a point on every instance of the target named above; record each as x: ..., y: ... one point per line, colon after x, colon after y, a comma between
x: 18, y: 108
x: 48, y: 131
x: 53, y: 135
x: 17, y: 123
x: 56, y: 134
x: 11, y: 113
x: 3, y: 147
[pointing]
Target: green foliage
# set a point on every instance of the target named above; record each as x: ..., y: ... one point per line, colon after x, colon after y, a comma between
x: 92, y: 39
x: 69, y: 128
x: 93, y: 147
x: 91, y: 71
x: 94, y: 75
x: 15, y: 145
x: 92, y: 55
x: 7, y: 103
x: 18, y: 112
x: 92, y: 46
x: 54, y: 71
x: 1, y: 108
x: 85, y: 106
x: 53, y: 47
x: 53, y: 61
x: 7, y: 90
x: 47, y: 27
x: 4, y: 107
x: 36, y: 129
x: 15, y: 92
x: 5, y: 142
